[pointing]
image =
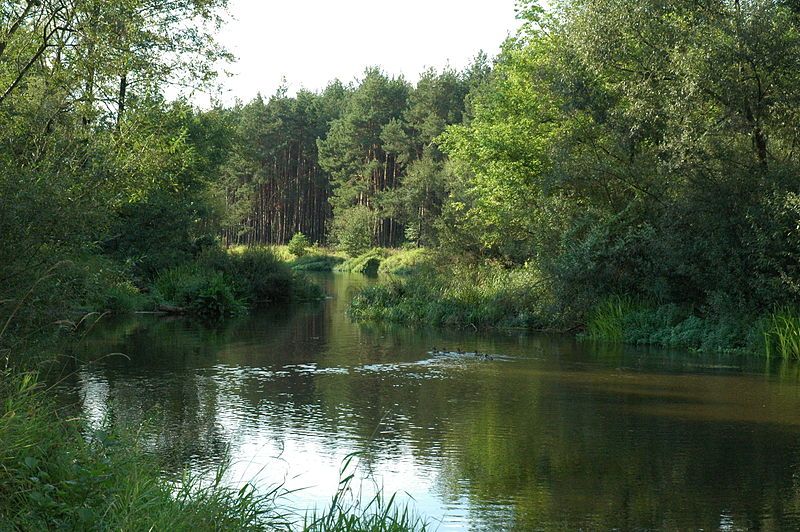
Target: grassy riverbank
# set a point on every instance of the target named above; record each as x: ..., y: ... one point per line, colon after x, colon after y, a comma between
x: 214, y: 284
x: 371, y: 262
x: 445, y: 291
x: 58, y: 473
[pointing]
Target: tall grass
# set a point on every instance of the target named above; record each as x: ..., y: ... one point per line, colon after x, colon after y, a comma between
x: 607, y: 320
x: 782, y: 334
x: 56, y: 474
x: 458, y: 296
x: 350, y: 511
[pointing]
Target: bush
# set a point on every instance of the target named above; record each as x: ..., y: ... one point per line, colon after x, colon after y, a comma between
x: 298, y: 245
x: 464, y: 295
x: 199, y: 290
x: 225, y: 283
x: 352, y: 230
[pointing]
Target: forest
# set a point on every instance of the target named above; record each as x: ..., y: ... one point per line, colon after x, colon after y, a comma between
x: 627, y: 171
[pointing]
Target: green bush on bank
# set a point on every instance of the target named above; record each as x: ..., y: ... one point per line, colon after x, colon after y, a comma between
x: 225, y: 283
x: 298, y: 245
x: 458, y: 296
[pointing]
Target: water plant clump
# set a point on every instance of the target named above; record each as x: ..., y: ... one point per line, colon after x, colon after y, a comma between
x: 782, y: 334
x: 607, y: 319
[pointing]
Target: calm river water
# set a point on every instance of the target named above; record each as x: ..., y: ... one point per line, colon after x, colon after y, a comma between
x: 549, y: 433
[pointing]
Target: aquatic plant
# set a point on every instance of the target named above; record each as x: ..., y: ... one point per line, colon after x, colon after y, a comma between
x: 782, y: 334
x: 350, y: 511
x: 607, y: 319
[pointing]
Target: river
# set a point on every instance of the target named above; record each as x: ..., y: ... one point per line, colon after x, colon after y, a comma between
x: 547, y: 433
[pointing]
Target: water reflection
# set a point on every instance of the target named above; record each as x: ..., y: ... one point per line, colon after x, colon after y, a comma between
x: 552, y: 434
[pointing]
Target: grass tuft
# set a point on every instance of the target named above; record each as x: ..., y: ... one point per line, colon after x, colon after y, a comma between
x: 782, y: 334
x: 607, y: 319
x: 350, y: 511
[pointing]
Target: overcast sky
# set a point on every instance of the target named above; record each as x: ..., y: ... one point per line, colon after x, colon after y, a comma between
x: 310, y: 42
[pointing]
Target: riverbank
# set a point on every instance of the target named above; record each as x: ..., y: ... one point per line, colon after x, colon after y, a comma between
x: 58, y: 473
x: 371, y: 262
x: 216, y: 283
x: 449, y: 292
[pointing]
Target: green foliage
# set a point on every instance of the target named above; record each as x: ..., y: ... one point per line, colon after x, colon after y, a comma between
x: 367, y: 263
x: 298, y: 245
x: 782, y: 334
x: 316, y: 262
x: 352, y: 230
x: 201, y: 291
x: 607, y: 319
x: 623, y: 319
x: 445, y: 294
x: 225, y: 283
x: 404, y: 262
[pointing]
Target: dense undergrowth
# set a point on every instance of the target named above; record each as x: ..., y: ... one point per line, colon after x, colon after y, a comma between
x: 221, y: 283
x: 459, y: 295
x: 214, y: 284
x: 444, y: 291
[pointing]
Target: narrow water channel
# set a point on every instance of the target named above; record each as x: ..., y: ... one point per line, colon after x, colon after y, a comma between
x: 548, y: 433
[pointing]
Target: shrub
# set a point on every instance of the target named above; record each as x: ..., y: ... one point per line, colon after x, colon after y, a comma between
x: 352, y: 230
x: 298, y: 245
x: 200, y: 290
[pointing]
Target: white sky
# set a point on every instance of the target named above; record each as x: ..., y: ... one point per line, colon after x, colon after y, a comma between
x: 310, y: 42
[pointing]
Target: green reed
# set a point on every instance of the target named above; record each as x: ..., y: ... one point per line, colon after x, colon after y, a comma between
x: 782, y: 334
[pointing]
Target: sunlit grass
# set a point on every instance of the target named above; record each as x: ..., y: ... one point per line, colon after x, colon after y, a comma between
x: 607, y: 320
x: 782, y: 334
x: 465, y: 296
